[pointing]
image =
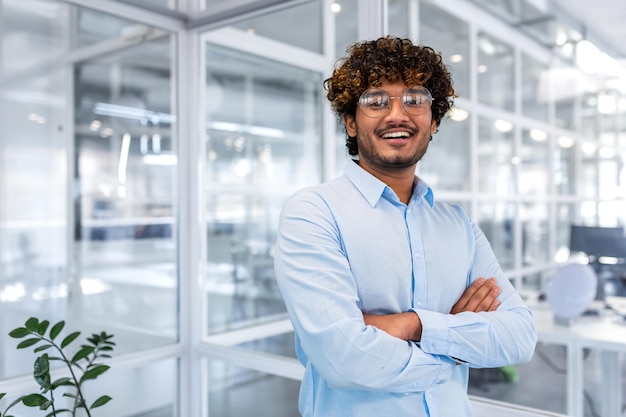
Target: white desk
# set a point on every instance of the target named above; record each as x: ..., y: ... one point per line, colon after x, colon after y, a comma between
x: 483, y: 407
x: 604, y: 333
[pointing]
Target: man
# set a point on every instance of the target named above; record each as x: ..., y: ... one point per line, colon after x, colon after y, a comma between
x: 385, y: 287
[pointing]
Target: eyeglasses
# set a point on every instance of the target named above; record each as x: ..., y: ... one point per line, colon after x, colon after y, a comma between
x: 375, y: 102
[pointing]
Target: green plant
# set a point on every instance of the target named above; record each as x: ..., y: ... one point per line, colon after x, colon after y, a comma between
x: 82, y: 367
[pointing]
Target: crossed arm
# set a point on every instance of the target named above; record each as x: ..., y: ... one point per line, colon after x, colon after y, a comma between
x: 480, y: 296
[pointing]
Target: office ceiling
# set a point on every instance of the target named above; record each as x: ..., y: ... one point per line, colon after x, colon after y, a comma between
x: 603, y: 19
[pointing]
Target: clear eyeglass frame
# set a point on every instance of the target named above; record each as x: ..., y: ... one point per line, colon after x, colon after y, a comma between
x: 376, y: 102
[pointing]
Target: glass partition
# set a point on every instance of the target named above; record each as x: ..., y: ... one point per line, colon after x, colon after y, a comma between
x: 263, y: 142
x: 534, y: 178
x: 495, y: 157
x: 535, y: 92
x: 34, y: 163
x: 497, y: 221
x: 265, y: 395
x: 309, y: 34
x: 495, y: 72
x: 87, y: 174
x: 449, y: 35
x: 535, y: 232
x: 125, y: 191
x: 447, y: 164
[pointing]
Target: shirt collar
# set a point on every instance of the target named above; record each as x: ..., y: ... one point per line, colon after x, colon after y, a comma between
x: 372, y: 188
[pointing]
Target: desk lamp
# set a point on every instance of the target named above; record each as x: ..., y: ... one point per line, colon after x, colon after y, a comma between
x: 570, y: 291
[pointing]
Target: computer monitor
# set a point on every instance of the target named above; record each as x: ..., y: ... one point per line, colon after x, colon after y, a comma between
x: 598, y: 241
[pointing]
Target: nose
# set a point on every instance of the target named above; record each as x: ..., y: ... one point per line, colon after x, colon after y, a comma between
x: 396, y: 109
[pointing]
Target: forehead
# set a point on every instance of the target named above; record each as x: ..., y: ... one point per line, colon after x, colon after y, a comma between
x: 396, y: 87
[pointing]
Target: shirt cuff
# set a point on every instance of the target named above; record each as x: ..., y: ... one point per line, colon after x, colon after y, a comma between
x: 434, y: 332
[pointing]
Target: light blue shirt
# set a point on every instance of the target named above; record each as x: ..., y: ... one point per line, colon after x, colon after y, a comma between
x: 350, y: 246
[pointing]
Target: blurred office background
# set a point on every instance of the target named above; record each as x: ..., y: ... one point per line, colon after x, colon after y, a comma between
x: 146, y: 148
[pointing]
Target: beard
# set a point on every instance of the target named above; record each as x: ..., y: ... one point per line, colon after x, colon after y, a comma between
x: 376, y: 155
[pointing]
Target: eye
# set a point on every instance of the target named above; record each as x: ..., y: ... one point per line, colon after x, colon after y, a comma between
x: 374, y: 100
x: 415, y: 99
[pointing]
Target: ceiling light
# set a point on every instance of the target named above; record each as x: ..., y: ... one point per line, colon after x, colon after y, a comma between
x: 456, y: 58
x: 482, y: 69
x: 538, y: 135
x: 458, y: 115
x: 588, y: 148
x: 503, y: 125
x: 565, y: 142
x: 335, y: 7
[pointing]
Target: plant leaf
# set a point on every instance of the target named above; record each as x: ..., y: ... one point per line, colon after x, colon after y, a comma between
x: 42, y: 347
x: 43, y: 326
x: 32, y: 324
x: 101, y: 401
x: 46, y: 405
x: 34, y: 400
x: 69, y: 339
x: 62, y: 381
x: 94, y: 372
x: 28, y: 342
x: 41, y: 372
x: 19, y: 332
x: 69, y: 394
x: 56, y: 329
x: 15, y: 402
x: 82, y: 353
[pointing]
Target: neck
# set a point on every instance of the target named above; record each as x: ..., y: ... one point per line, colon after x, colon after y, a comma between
x: 399, y: 180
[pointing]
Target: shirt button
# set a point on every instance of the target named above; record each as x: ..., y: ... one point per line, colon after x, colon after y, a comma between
x: 417, y: 254
x: 418, y: 304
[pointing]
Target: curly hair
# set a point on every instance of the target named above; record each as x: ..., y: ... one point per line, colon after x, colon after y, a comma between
x: 393, y: 59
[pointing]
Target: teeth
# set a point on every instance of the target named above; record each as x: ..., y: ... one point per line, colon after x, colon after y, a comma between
x: 396, y: 135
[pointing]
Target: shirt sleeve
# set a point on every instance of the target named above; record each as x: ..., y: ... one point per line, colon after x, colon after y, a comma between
x: 320, y: 293
x: 506, y: 336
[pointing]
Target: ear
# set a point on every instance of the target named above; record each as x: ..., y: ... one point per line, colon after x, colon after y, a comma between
x: 433, y: 127
x: 350, y: 122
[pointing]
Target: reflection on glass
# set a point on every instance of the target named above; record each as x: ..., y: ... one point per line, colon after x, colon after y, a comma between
x: 533, y: 167
x: 537, y: 282
x: 239, y: 392
x: 282, y: 345
x: 495, y: 72
x: 148, y: 391
x: 263, y: 143
x: 450, y: 36
x: 588, y: 126
x: 565, y: 217
x: 565, y: 108
x: 400, y: 15
x: 346, y: 26
x: 94, y: 27
x: 588, y: 176
x: 497, y: 221
x: 306, y: 17
x: 125, y: 207
x: 535, y: 243
x: 564, y: 176
x: 495, y: 157
x: 94, y: 271
x: 446, y: 165
x: 535, y: 88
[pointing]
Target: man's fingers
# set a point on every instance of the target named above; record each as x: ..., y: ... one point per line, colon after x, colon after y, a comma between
x: 481, y: 295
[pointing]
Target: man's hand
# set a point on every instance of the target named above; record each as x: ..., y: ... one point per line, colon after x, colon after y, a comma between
x: 406, y: 326
x: 480, y: 296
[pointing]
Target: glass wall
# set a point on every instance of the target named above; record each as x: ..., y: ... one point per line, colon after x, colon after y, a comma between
x: 119, y: 212
x: 263, y: 141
